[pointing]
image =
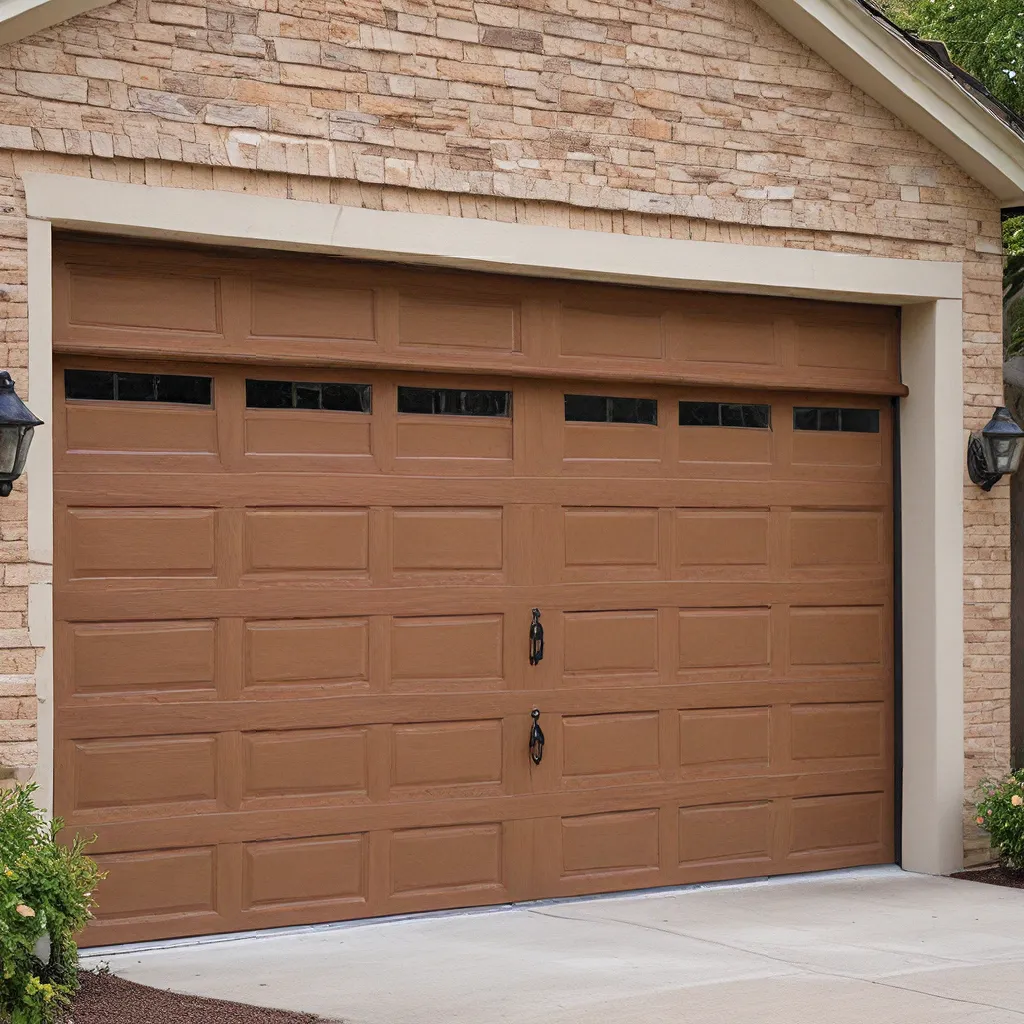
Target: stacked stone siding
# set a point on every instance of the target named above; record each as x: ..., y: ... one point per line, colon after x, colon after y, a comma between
x: 693, y: 119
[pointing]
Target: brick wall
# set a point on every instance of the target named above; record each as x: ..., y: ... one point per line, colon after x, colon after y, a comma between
x: 678, y: 118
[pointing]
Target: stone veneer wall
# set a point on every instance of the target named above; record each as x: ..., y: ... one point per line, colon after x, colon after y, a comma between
x: 677, y: 118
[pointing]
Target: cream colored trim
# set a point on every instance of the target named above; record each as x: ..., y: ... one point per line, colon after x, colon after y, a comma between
x: 930, y: 294
x: 21, y: 18
x: 924, y: 96
x: 932, y: 455
x: 40, y: 493
x: 239, y: 219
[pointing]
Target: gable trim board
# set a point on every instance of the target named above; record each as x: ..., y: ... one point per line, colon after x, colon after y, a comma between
x: 845, y: 33
x: 932, y: 437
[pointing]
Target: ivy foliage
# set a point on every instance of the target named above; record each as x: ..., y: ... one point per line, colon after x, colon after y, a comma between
x: 984, y: 37
x: 46, y: 896
x: 1001, y: 815
x: 1013, y: 286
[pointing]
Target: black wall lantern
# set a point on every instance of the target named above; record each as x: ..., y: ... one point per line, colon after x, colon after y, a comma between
x: 995, y: 449
x: 17, y: 424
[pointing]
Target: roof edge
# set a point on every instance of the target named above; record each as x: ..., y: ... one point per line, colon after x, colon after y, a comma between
x: 21, y: 18
x: 884, y: 63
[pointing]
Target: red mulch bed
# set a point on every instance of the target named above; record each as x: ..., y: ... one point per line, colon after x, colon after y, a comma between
x: 107, y: 999
x: 994, y: 876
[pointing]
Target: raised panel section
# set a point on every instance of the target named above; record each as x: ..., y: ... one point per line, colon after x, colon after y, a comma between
x: 116, y: 428
x: 155, y: 301
x: 612, y: 442
x: 142, y: 657
x: 725, y: 740
x: 136, y: 772
x: 721, y: 538
x: 837, y: 449
x: 446, y: 754
x: 591, y: 332
x: 862, y: 349
x: 724, y: 446
x: 307, y: 540
x: 458, y: 322
x: 825, y: 823
x: 611, y: 643
x: 822, y: 539
x: 295, y: 309
x: 724, y: 339
x: 134, y: 543
x: 453, y: 437
x: 454, y: 539
x: 327, y: 869
x: 610, y: 744
x: 611, y: 537
x: 299, y: 432
x: 626, y: 841
x: 725, y: 832
x: 836, y: 636
x: 157, y: 884
x: 822, y: 731
x: 454, y: 859
x: 304, y: 762
x: 307, y: 651
x: 422, y: 655
x: 723, y: 638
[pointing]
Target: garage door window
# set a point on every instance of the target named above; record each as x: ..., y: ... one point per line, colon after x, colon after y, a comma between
x: 606, y: 409
x: 850, y: 421
x: 723, y: 414
x: 293, y: 394
x: 454, y: 402
x: 111, y: 386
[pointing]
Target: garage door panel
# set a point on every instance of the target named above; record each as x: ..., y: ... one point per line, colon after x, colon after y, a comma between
x: 140, y: 543
x: 141, y: 660
x: 307, y: 872
x: 172, y: 430
x: 293, y: 624
x: 447, y: 540
x: 301, y: 763
x: 289, y: 309
x: 121, y: 777
x: 307, y: 540
x: 293, y: 652
x: 345, y: 441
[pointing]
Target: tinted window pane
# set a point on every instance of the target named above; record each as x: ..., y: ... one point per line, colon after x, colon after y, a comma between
x: 136, y: 387
x: 290, y: 394
x: 184, y: 390
x: 346, y: 397
x: 698, y: 414
x: 608, y: 409
x: 85, y: 384
x: 860, y: 421
x: 105, y: 385
x: 724, y: 414
x: 851, y: 421
x: 453, y: 402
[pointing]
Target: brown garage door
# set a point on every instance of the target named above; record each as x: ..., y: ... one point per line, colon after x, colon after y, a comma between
x: 294, y: 601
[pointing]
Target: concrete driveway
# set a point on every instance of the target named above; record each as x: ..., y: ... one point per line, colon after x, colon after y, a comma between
x: 858, y: 947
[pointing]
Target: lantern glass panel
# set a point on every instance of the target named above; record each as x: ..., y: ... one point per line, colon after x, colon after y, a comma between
x: 9, y: 438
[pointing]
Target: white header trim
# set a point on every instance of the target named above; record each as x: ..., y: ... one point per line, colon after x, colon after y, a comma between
x: 21, y: 18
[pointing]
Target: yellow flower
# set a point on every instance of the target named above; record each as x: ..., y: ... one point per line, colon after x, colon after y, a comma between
x: 24, y: 911
x: 1017, y: 799
x: 8, y: 873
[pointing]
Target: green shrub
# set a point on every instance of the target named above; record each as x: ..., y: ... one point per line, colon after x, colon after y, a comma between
x: 1001, y: 815
x: 45, y: 899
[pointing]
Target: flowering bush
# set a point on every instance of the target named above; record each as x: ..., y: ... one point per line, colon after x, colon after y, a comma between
x: 45, y: 899
x: 1001, y: 815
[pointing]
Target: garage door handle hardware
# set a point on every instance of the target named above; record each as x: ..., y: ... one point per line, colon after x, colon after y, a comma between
x: 536, y: 638
x: 536, y: 738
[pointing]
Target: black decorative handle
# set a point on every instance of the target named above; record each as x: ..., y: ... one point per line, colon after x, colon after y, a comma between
x: 536, y: 639
x: 536, y: 738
